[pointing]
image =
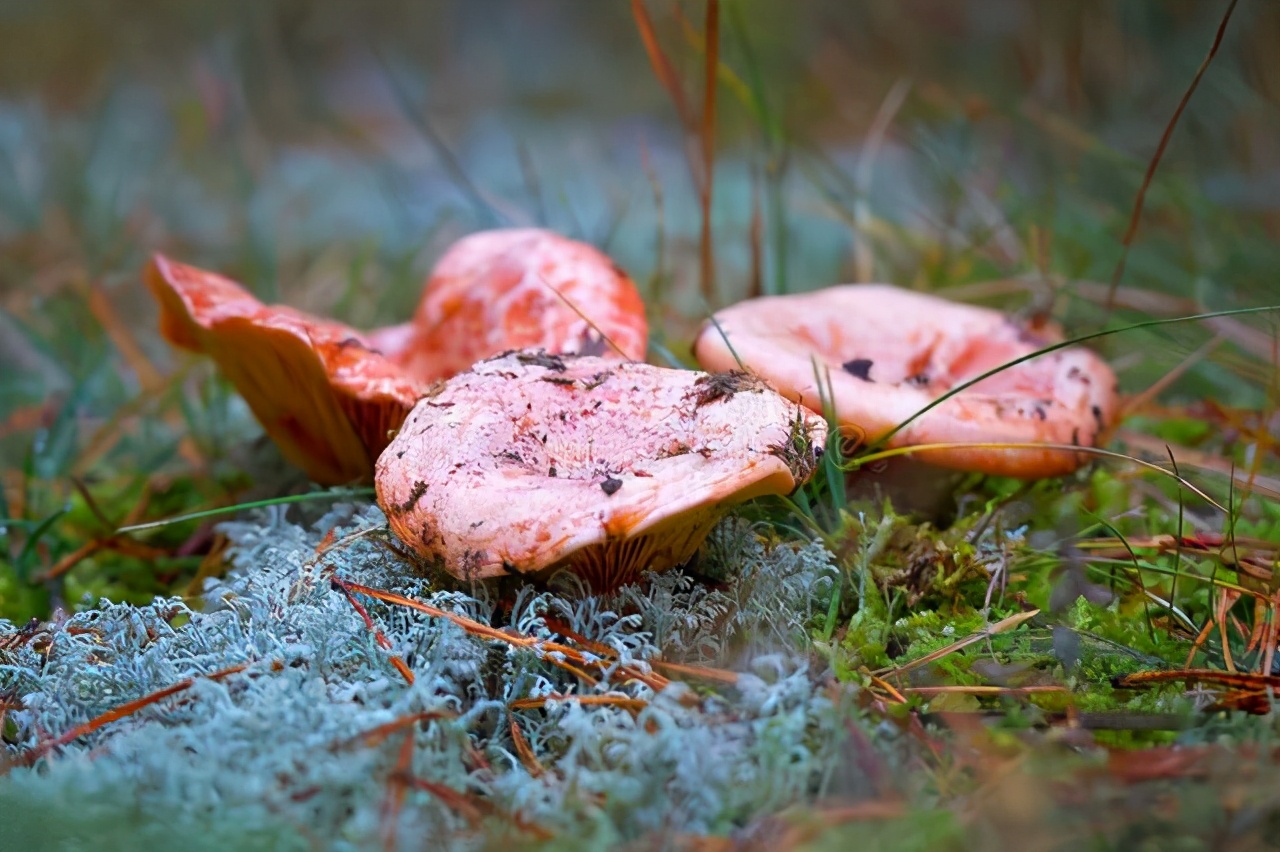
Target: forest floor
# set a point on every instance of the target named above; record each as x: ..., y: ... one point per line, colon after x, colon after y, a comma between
x: 882, y: 658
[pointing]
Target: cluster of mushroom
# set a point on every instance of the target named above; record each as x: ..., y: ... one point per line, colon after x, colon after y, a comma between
x: 513, y: 428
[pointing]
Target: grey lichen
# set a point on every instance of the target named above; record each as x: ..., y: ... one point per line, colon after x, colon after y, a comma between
x: 275, y: 756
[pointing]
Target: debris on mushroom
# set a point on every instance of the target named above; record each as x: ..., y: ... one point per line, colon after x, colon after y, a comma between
x: 519, y: 288
x: 888, y: 353
x: 533, y: 461
x: 319, y: 389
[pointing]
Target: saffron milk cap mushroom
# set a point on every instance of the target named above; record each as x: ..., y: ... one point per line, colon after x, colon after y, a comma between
x: 318, y: 388
x: 891, y: 352
x: 532, y: 462
x: 519, y: 288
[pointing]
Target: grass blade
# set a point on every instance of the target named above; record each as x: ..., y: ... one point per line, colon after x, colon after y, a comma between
x: 332, y: 494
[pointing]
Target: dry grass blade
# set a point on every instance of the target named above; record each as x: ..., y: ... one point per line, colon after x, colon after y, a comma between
x: 376, y: 735
x: 983, y: 690
x: 1001, y: 626
x: 563, y: 656
x: 122, y: 338
x: 1268, y: 486
x: 1149, y: 394
x: 634, y: 705
x: 699, y: 131
x: 888, y: 689
x: 701, y: 672
x: 1209, y: 677
x: 114, y: 543
x: 1253, y: 557
x: 1246, y: 692
x: 524, y: 751
x: 662, y: 68
x: 117, y: 543
x: 863, y: 255
x: 91, y: 503
x: 378, y: 636
x: 459, y: 803
x: 707, y: 135
x: 1138, y: 202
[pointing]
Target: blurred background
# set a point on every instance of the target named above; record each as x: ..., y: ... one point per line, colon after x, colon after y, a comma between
x: 325, y: 154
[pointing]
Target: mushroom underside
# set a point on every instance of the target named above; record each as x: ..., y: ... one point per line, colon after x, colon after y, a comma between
x: 321, y: 393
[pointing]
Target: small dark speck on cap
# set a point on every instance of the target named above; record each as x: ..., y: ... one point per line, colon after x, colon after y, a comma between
x: 859, y: 368
x: 610, y: 486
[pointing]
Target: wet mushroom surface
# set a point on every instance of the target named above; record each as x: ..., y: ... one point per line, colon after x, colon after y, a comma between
x: 881, y: 354
x: 531, y: 462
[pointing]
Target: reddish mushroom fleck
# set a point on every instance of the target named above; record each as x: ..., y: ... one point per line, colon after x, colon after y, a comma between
x: 531, y: 462
x: 890, y: 352
x: 519, y: 288
x: 321, y: 392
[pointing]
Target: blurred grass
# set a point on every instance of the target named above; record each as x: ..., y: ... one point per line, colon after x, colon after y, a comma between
x: 325, y: 154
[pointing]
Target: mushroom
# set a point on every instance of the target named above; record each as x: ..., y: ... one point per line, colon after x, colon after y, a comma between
x: 319, y: 389
x: 519, y: 288
x: 890, y: 352
x: 532, y: 462
x: 328, y: 395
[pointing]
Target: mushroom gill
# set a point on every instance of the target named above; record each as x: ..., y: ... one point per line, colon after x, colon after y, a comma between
x: 320, y: 391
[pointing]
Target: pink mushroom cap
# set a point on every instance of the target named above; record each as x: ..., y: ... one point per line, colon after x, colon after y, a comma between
x: 530, y: 462
x: 519, y: 288
x: 890, y: 352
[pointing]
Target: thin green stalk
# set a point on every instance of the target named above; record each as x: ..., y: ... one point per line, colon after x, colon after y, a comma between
x: 333, y: 494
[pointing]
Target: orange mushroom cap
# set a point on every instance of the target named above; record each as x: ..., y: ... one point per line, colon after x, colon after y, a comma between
x: 531, y: 461
x: 319, y: 389
x: 519, y: 288
x: 328, y: 395
x: 891, y: 352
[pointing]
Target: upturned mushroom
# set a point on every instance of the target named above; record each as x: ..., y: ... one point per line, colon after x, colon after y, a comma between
x: 328, y: 395
x: 319, y: 389
x: 890, y: 352
x: 532, y: 462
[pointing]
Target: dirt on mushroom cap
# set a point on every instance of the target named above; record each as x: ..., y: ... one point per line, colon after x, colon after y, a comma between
x: 530, y: 459
x: 519, y: 288
x: 890, y: 352
x: 318, y: 388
